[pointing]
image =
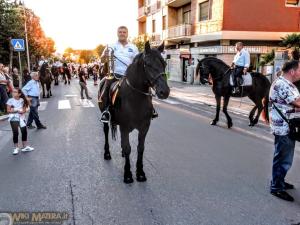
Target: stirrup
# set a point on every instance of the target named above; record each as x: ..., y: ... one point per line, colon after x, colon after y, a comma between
x: 109, y: 117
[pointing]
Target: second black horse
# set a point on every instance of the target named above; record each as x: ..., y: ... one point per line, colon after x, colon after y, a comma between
x: 220, y: 75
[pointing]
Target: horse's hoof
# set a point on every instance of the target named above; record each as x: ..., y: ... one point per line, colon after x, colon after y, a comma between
x: 141, y: 178
x: 107, y: 156
x: 213, y: 123
x: 128, y: 180
x: 229, y: 125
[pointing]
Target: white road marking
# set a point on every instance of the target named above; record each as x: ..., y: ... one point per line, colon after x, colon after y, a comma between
x: 70, y: 96
x: 86, y: 103
x: 64, y: 104
x: 171, y: 102
x: 43, y: 106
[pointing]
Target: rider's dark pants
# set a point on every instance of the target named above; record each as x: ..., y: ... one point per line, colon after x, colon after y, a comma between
x: 237, y: 73
x: 105, y: 102
x: 33, y: 113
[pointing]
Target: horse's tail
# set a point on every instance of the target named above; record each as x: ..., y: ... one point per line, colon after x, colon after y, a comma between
x: 114, y: 130
x: 265, y: 101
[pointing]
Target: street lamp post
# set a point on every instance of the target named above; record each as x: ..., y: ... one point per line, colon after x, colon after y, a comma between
x: 26, y: 38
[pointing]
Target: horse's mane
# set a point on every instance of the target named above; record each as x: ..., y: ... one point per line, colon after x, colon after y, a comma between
x: 211, y: 58
x: 137, y: 60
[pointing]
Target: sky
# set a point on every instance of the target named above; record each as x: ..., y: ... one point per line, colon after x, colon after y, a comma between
x: 83, y: 24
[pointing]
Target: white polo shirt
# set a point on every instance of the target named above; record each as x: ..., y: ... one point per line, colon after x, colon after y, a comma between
x: 125, y: 54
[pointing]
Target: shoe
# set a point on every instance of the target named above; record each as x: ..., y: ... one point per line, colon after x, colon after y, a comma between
x: 16, y: 151
x: 288, y: 186
x: 82, y: 97
x: 27, y: 149
x: 283, y: 195
x: 31, y: 127
x: 89, y: 98
x: 105, y: 117
x: 42, y: 127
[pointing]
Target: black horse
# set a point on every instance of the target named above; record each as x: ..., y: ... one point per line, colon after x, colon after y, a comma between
x: 46, y: 79
x: 55, y: 73
x: 220, y: 75
x: 133, y: 107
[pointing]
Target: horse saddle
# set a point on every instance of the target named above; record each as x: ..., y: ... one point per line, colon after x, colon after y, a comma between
x: 247, y: 80
x: 114, y: 91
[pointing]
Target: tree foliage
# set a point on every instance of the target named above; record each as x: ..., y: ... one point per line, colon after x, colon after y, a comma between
x: 292, y: 41
x: 12, y: 25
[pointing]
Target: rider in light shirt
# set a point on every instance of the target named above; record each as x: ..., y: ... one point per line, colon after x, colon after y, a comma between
x: 240, y: 64
x: 124, y: 53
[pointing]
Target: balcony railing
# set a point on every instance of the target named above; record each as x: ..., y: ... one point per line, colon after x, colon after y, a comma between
x: 155, y: 7
x: 177, y: 3
x: 208, y: 26
x: 179, y: 31
x: 142, y: 12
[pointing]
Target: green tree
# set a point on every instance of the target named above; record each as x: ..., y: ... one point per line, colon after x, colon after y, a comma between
x: 140, y: 41
x: 86, y: 56
x: 268, y: 58
x: 292, y: 41
x: 98, y: 50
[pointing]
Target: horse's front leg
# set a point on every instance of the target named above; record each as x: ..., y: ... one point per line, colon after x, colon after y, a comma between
x: 126, y: 149
x: 260, y: 108
x: 107, y: 155
x: 229, y: 120
x: 218, y: 101
x: 140, y: 174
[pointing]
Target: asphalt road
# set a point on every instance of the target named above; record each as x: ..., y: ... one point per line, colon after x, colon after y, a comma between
x: 197, y: 174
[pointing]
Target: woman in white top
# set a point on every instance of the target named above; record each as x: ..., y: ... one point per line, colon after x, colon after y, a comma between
x: 16, y: 107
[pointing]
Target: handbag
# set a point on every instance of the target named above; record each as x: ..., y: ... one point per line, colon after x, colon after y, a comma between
x: 294, y: 125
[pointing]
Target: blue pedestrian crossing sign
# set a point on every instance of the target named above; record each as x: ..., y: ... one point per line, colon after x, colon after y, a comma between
x: 18, y: 45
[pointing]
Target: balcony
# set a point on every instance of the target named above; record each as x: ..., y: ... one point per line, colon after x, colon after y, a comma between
x: 209, y: 26
x: 179, y: 33
x: 177, y: 3
x: 142, y: 14
x: 154, y: 8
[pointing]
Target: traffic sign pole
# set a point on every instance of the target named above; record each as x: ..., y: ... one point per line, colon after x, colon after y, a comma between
x: 21, y: 74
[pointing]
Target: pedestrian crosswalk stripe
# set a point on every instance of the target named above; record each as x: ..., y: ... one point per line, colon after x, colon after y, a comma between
x: 64, y: 104
x: 86, y: 103
x: 43, y: 106
x: 171, y: 102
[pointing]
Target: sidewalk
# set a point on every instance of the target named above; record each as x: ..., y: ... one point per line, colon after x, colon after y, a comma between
x: 203, y: 94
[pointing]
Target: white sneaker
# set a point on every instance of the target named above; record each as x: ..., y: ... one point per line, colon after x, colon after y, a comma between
x: 16, y: 151
x: 27, y: 149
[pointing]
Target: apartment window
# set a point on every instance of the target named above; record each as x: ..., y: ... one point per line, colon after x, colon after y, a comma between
x: 187, y: 17
x: 204, y: 11
x: 153, y: 26
x: 164, y: 22
x: 292, y: 3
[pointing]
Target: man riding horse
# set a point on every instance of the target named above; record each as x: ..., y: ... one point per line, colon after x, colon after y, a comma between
x: 124, y: 53
x: 240, y: 66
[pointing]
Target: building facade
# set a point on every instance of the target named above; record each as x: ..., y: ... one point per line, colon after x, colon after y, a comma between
x: 193, y: 29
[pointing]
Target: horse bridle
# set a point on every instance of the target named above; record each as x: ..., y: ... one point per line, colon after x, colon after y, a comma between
x: 217, y: 78
x: 151, y: 82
